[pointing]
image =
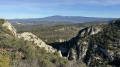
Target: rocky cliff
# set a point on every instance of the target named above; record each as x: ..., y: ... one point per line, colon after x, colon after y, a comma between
x: 89, y: 31
x: 29, y: 37
x: 96, y: 45
x: 80, y: 44
x: 99, y: 46
x: 7, y: 24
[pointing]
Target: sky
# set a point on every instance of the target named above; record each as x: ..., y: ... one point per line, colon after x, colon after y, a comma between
x: 12, y: 9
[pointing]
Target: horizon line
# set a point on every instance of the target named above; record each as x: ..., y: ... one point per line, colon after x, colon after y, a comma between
x: 59, y: 15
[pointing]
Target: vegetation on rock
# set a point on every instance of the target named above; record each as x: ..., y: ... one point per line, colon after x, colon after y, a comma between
x: 17, y: 52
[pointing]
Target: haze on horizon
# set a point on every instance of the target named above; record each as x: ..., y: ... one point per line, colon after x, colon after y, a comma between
x: 10, y: 9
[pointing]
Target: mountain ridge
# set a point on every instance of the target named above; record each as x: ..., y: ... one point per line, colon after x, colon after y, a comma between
x: 74, y: 19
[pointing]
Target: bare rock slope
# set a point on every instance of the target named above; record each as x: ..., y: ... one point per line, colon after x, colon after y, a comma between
x: 29, y: 37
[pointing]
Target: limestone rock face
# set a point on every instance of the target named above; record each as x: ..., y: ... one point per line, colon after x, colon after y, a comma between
x: 31, y: 37
x: 9, y: 26
x: 81, y: 45
x: 89, y: 31
x: 82, y: 49
x: 72, y: 54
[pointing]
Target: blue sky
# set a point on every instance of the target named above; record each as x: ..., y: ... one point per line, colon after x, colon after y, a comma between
x: 10, y: 9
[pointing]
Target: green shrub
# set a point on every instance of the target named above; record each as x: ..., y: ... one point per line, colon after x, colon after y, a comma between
x: 4, y: 61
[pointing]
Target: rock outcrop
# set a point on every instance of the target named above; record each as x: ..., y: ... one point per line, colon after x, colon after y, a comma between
x: 72, y: 54
x: 9, y: 26
x: 29, y: 37
x: 89, y: 31
x: 82, y: 45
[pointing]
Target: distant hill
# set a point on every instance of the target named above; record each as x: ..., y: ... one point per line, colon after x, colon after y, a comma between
x: 67, y: 19
x: 76, y: 18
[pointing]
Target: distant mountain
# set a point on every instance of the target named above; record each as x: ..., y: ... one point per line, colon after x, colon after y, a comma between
x: 76, y: 18
x: 69, y: 19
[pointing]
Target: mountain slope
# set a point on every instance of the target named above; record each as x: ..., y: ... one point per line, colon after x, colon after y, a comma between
x: 97, y: 45
x: 16, y: 51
